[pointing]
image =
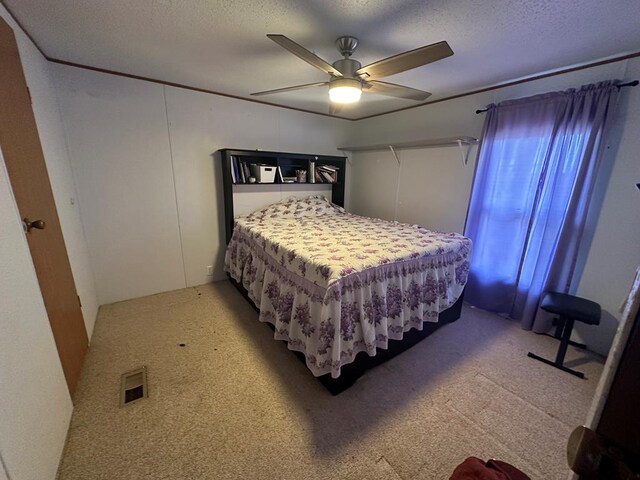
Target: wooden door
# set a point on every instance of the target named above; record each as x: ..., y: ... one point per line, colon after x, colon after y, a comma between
x: 25, y: 163
x: 620, y: 419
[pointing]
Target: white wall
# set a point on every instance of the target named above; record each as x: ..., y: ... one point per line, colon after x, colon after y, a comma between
x: 425, y: 179
x: 614, y: 252
x: 35, y: 407
x: 150, y: 189
x: 435, y: 188
x: 119, y: 148
x: 3, y: 472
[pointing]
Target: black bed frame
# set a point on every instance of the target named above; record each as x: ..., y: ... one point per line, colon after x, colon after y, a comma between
x: 363, y: 362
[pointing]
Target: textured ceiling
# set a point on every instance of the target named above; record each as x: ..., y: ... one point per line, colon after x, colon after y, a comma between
x: 221, y: 45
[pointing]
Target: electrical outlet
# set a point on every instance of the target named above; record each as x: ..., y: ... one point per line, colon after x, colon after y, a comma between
x: 210, y: 270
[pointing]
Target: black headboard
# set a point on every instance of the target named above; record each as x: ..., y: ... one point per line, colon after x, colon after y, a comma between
x: 233, y: 158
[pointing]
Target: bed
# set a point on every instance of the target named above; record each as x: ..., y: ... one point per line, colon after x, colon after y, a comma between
x: 334, y: 284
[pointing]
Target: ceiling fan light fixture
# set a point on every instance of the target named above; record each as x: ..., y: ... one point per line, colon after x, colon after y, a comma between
x: 345, y: 90
x: 348, y: 78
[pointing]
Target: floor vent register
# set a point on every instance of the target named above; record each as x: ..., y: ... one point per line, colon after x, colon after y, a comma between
x: 133, y: 386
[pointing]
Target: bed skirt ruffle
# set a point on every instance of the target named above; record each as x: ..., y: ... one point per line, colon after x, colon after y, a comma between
x: 359, y: 312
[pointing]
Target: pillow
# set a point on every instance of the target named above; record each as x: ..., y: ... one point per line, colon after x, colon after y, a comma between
x: 293, y: 207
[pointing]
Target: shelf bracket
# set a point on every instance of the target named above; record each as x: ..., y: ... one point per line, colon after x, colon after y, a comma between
x: 464, y: 154
x: 394, y: 154
x: 395, y: 211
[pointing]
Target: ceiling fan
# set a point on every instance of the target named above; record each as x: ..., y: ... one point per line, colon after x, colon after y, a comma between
x: 348, y: 78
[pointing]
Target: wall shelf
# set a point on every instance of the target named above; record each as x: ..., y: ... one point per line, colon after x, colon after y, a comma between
x: 461, y: 141
x: 434, y: 142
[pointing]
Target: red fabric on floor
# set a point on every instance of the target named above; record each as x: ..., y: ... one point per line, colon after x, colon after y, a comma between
x: 475, y: 469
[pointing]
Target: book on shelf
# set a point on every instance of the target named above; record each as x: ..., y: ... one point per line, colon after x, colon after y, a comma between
x: 327, y: 177
x: 247, y: 172
x: 326, y: 174
x: 312, y: 172
x: 240, y: 170
x: 233, y: 171
x: 243, y: 178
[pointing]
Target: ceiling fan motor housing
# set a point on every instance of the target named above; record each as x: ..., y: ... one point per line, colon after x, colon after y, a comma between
x: 347, y: 67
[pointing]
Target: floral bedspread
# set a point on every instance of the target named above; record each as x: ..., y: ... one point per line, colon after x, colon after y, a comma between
x: 334, y: 284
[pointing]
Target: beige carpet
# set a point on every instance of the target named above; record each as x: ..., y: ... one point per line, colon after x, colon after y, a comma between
x: 233, y: 403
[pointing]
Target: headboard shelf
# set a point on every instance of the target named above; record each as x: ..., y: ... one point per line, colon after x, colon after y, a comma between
x: 231, y: 161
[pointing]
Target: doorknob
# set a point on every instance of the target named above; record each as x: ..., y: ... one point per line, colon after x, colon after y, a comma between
x: 28, y: 224
x: 593, y: 456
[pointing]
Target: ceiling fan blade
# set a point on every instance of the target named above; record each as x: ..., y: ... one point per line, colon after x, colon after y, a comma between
x: 393, y: 90
x: 405, y: 61
x: 288, y: 89
x: 334, y: 108
x: 304, y: 54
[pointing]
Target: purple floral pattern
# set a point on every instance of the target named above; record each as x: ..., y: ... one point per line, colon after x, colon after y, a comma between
x: 375, y: 309
x: 303, y: 317
x: 349, y: 318
x: 394, y: 300
x: 285, y: 304
x: 334, y: 284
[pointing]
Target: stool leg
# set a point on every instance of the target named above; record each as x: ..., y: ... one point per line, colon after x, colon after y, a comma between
x: 564, y: 341
x: 562, y: 349
x: 559, y: 323
x: 559, y: 326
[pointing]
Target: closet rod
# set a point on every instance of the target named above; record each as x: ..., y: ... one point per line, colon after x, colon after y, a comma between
x: 436, y: 142
x: 633, y: 83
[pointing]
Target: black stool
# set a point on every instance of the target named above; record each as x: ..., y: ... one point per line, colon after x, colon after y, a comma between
x: 569, y: 309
